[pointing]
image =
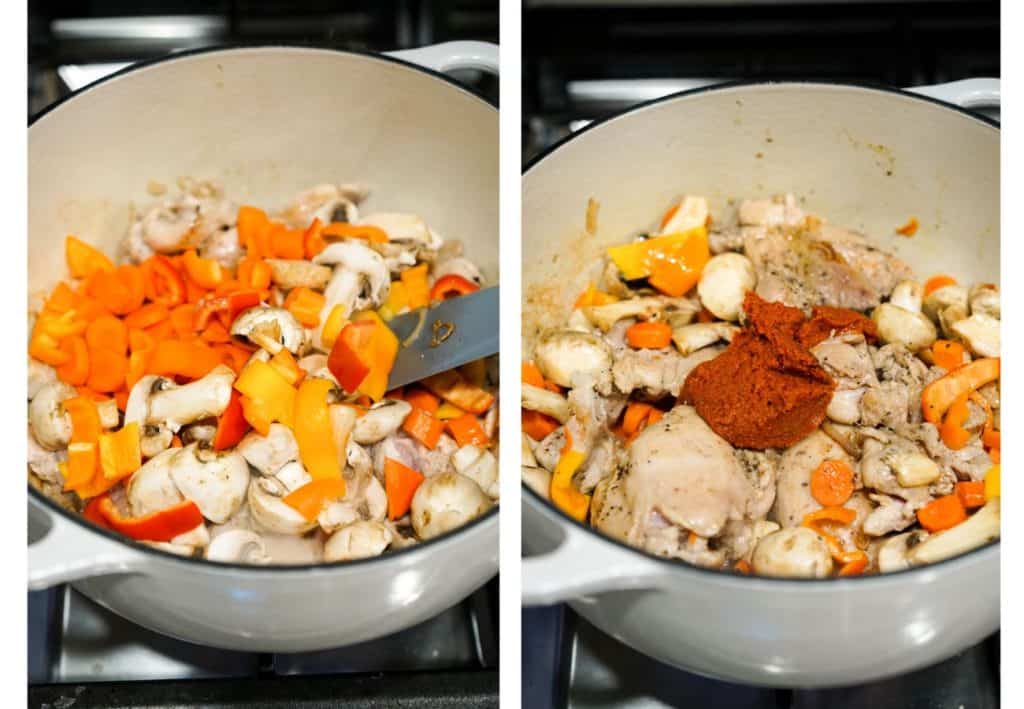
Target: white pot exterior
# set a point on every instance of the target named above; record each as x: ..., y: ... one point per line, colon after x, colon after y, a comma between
x: 266, y: 122
x: 864, y: 158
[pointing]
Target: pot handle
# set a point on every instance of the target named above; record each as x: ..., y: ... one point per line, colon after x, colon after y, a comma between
x: 966, y: 93
x: 573, y: 570
x: 68, y: 552
x: 449, y: 56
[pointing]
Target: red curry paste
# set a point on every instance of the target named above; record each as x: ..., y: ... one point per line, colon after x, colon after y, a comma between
x: 767, y: 390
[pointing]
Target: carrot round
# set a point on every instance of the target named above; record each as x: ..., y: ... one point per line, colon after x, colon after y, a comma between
x: 936, y: 282
x: 855, y: 564
x: 649, y: 335
x: 107, y: 332
x: 107, y: 370
x: 76, y: 370
x: 832, y: 483
x: 942, y: 513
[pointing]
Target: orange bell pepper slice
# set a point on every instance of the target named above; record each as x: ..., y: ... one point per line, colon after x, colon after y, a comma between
x: 84, y: 260
x: 313, y: 431
x: 205, y: 272
x: 400, y: 484
x: 310, y: 499
x: 424, y: 427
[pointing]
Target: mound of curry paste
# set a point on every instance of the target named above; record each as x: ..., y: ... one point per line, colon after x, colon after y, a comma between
x: 767, y: 390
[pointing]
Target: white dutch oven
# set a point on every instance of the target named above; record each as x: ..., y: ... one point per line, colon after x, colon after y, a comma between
x: 267, y: 122
x: 863, y: 157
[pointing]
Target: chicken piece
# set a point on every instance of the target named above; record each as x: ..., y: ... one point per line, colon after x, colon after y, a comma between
x: 888, y: 404
x: 902, y: 377
x: 761, y: 469
x: 891, y: 515
x: 699, y: 487
x: 602, y: 462
x: 848, y: 362
x: 878, y: 472
x: 969, y: 463
x: 793, y: 499
x: 439, y: 460
x: 399, y: 447
x: 610, y: 512
x: 777, y: 211
x: 549, y: 450
x: 657, y: 373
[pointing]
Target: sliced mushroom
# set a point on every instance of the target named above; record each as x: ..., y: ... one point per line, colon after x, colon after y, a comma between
x: 977, y: 530
x: 151, y: 488
x: 269, y: 453
x: 153, y: 437
x: 273, y: 329
x: 983, y: 299
x: 198, y: 537
x: 404, y: 227
x: 383, y: 419
x: 445, y: 502
x: 269, y: 512
x: 198, y: 433
x: 980, y: 333
x: 361, y: 279
x: 39, y: 375
x: 546, y: 402
x: 942, y: 298
x: 359, y: 540
x: 605, y: 316
x: 794, y: 552
x: 691, y: 213
x: 724, y: 283
x: 175, y: 406
x: 288, y: 274
x: 908, y: 295
x: 358, y: 458
x: 338, y: 514
x: 562, y: 354
x: 239, y: 546
x: 538, y: 480
x: 45, y: 463
x: 51, y: 425
x: 527, y: 451
x: 480, y: 466
x: 896, y: 324
x: 690, y: 338
x: 949, y: 317
x: 215, y: 481
x: 343, y: 420
x: 893, y: 552
x: 326, y: 202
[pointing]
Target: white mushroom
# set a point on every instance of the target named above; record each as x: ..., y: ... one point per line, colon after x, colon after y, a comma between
x: 175, y: 406
x: 383, y: 419
x: 949, y: 317
x: 605, y: 316
x: 546, y: 402
x: 915, y: 469
x: 793, y: 552
x: 480, y: 466
x: 980, y: 528
x: 372, y: 498
x: 537, y: 479
x: 444, y: 502
x: 983, y: 299
x: 290, y: 274
x: 336, y: 515
x: 269, y: 453
x: 562, y: 354
x: 151, y: 488
x: 980, y: 332
x: 215, y: 481
x: 293, y: 476
x: 153, y: 436
x: 404, y: 227
x: 526, y: 448
x: 343, y: 420
x: 198, y: 537
x: 893, y: 551
x: 358, y: 458
x: 361, y: 279
x: 51, y: 425
x: 198, y: 433
x: 896, y: 324
x: 240, y: 546
x: 908, y: 295
x: 326, y: 202
x: 359, y: 540
x: 458, y: 266
x: 691, y: 213
x: 45, y: 463
x: 273, y: 329
x: 942, y: 298
x: 269, y: 511
x: 724, y: 283
x: 690, y: 338
x: 39, y: 375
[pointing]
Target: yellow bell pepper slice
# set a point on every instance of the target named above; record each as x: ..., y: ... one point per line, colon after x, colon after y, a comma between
x: 417, y: 287
x: 398, y: 300
x: 313, y: 430
x: 268, y: 392
x: 120, y: 452
x: 636, y: 260
x: 992, y: 485
x: 565, y: 496
x: 447, y: 411
x: 593, y: 296
x: 337, y: 319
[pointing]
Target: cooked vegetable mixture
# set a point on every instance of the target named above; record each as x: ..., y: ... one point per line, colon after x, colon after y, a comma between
x: 221, y: 389
x: 770, y: 394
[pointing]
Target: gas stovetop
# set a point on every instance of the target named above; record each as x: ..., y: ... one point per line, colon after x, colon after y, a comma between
x: 84, y: 656
x: 569, y: 663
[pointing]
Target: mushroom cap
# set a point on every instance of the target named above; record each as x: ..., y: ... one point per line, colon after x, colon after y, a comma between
x: 561, y: 354
x: 51, y: 425
x: 380, y: 421
x: 269, y: 511
x: 444, y: 502
x: 794, y: 552
x: 216, y: 482
x: 359, y: 540
x: 270, y: 328
x: 238, y: 545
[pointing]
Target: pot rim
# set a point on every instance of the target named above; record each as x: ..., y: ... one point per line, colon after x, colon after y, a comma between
x: 407, y: 553
x: 754, y: 84
x: 978, y: 555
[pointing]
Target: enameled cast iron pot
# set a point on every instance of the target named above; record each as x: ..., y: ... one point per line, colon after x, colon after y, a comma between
x: 266, y: 122
x: 863, y: 157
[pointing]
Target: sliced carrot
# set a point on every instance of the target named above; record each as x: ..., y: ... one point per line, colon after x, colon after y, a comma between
x: 400, y: 484
x: 85, y: 260
x: 854, y: 565
x: 91, y: 395
x: 135, y: 281
x: 531, y: 375
x: 634, y: 417
x: 467, y: 431
x: 742, y: 567
x: 649, y: 335
x: 832, y: 483
x: 936, y: 282
x: 305, y: 304
x: 287, y: 243
x: 948, y: 354
x: 161, y: 331
x: 107, y: 370
x: 107, y: 332
x: 76, y: 370
x: 832, y: 514
x: 537, y: 425
x: 942, y: 513
x: 971, y: 493
x: 420, y: 398
x: 146, y: 316
x: 422, y: 426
